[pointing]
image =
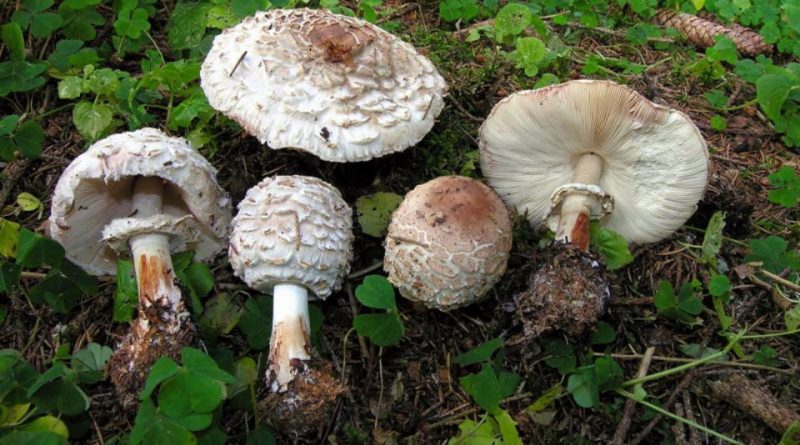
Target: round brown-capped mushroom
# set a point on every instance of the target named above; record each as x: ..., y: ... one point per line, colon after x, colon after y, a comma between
x: 582, y: 150
x: 448, y: 242
x: 338, y: 87
x: 141, y: 194
x: 292, y: 235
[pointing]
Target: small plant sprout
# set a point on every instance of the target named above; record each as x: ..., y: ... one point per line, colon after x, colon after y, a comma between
x: 143, y: 194
x: 337, y: 87
x: 589, y: 150
x: 293, y: 237
x: 448, y: 243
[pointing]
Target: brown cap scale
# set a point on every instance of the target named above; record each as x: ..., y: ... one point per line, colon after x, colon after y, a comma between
x: 337, y: 87
x: 448, y: 243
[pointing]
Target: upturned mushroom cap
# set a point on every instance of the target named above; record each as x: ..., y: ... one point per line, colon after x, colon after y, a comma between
x: 292, y: 229
x: 91, y: 213
x: 337, y: 87
x: 448, y: 242
x: 655, y: 163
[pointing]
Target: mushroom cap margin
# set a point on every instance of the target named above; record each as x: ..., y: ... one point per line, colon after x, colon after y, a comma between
x: 655, y: 162
x: 96, y: 188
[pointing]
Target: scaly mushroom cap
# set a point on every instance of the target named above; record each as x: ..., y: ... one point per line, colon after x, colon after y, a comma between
x: 337, y: 87
x: 448, y: 242
x: 655, y: 163
x: 292, y: 229
x: 91, y: 213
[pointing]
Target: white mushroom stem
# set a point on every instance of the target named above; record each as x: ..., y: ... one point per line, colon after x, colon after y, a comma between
x: 573, y: 225
x: 290, y: 344
x: 151, y: 255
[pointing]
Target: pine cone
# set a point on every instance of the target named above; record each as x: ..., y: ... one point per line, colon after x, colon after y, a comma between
x: 701, y: 32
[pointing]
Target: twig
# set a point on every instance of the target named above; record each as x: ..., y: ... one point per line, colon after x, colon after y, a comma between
x: 237, y: 63
x: 630, y: 404
x: 364, y: 271
x: 655, y: 420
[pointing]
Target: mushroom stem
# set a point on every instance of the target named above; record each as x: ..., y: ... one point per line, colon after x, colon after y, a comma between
x: 573, y: 225
x: 151, y: 256
x: 289, y: 345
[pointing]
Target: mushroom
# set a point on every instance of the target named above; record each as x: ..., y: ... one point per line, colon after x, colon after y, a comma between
x: 142, y: 194
x: 448, y: 242
x: 293, y: 236
x: 590, y: 150
x: 338, y: 87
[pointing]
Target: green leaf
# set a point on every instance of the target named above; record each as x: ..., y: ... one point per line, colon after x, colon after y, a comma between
x: 561, y: 356
x: 28, y: 202
x: 63, y: 396
x: 792, y: 434
x: 792, y: 318
x: 244, y: 8
x: 9, y: 238
x: 48, y: 424
x: 8, y: 124
x: 20, y: 77
x: 32, y: 438
x: 35, y: 250
x: 545, y: 400
x: 712, y: 240
x: 771, y: 251
x: 70, y: 88
x: 512, y: 20
x: 772, y: 90
x: 90, y: 361
x: 194, y: 107
x: 481, y: 353
x: 529, y: 54
x: 256, y: 321
x: 187, y: 24
x: 126, y: 295
x: 29, y: 139
x: 221, y: 314
x: 201, y: 363
x: 485, y: 432
x: 717, y: 99
x: 766, y: 356
x: 261, y: 436
x: 604, y: 334
x: 92, y: 119
x: 35, y: 6
x: 723, y: 51
x: 9, y: 276
x: 11, y: 34
x: 788, y: 187
x: 454, y: 10
x: 376, y: 292
x: 381, y: 329
x: 583, y: 387
x: 719, y: 123
x: 485, y: 388
x: 162, y: 370
x: 609, y: 373
x: 152, y: 428
x: 45, y: 24
x: 719, y: 285
x: 132, y: 22
x: 508, y: 428
x: 612, y: 246
x: 375, y: 210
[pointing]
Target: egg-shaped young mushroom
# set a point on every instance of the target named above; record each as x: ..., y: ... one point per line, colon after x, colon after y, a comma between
x: 143, y: 195
x: 582, y: 150
x: 293, y: 237
x: 338, y: 87
x: 448, y: 242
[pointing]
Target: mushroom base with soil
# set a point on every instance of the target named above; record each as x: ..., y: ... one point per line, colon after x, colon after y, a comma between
x: 162, y: 328
x: 567, y: 293
x: 308, y: 402
x: 302, y: 387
